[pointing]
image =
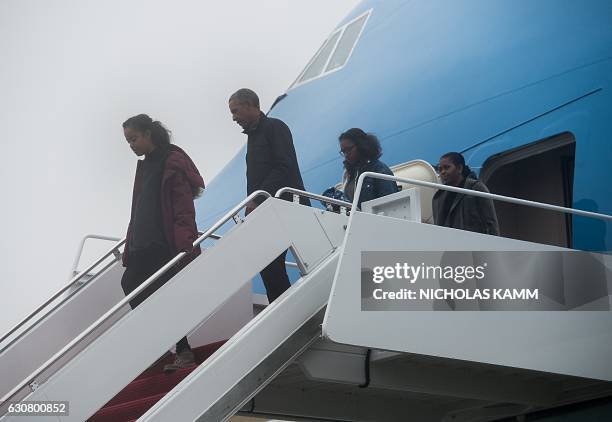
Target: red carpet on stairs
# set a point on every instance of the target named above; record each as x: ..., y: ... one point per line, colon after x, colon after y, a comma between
x: 148, y: 388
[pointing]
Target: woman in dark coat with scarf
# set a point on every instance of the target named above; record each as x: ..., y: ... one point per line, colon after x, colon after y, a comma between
x: 162, y: 222
x: 458, y: 210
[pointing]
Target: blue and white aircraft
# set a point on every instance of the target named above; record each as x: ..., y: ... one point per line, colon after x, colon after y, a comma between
x: 522, y: 89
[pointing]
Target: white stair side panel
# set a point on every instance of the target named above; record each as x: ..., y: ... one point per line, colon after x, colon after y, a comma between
x: 563, y: 342
x: 60, y: 327
x: 227, y: 321
x: 138, y: 339
x: 204, y: 387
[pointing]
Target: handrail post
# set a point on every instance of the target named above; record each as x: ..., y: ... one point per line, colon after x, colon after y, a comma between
x: 77, y: 258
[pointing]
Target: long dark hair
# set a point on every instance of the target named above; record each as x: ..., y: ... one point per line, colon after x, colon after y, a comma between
x: 142, y: 122
x: 367, y: 144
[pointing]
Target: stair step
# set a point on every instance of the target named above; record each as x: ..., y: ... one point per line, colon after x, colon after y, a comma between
x: 201, y: 353
x: 126, y: 411
x: 150, y: 386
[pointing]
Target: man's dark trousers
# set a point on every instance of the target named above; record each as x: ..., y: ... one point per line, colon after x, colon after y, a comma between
x: 275, y: 277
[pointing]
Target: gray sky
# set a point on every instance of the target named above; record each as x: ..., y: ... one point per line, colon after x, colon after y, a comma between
x: 71, y: 71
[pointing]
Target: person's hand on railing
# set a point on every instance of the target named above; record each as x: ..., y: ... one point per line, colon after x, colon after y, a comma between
x: 334, y: 194
x: 250, y: 207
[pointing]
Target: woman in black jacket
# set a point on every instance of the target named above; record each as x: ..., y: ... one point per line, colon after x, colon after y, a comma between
x: 458, y: 210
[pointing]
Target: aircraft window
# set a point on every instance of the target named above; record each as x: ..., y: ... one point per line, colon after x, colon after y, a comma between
x: 346, y: 44
x: 335, y: 52
x: 318, y: 64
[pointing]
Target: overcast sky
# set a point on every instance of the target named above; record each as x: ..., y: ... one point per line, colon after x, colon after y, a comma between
x: 71, y: 71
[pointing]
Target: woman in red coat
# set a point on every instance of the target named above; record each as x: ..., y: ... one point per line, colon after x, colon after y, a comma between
x: 162, y: 222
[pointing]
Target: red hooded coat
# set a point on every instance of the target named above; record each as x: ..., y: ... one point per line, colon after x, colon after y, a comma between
x: 181, y: 183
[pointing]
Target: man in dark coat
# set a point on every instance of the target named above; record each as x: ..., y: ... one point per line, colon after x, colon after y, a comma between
x: 458, y: 210
x: 271, y: 164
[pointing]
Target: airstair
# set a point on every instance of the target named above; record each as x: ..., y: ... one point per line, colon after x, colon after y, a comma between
x: 313, y: 353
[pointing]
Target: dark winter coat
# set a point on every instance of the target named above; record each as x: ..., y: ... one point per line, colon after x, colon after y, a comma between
x: 181, y: 183
x: 271, y: 161
x: 466, y: 212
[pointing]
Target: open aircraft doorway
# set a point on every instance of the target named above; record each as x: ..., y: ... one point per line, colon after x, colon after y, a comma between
x: 542, y: 171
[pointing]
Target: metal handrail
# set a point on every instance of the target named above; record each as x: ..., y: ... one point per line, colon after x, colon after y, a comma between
x: 71, y: 283
x: 474, y: 193
x: 77, y: 258
x: 210, y: 232
x: 324, y: 199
